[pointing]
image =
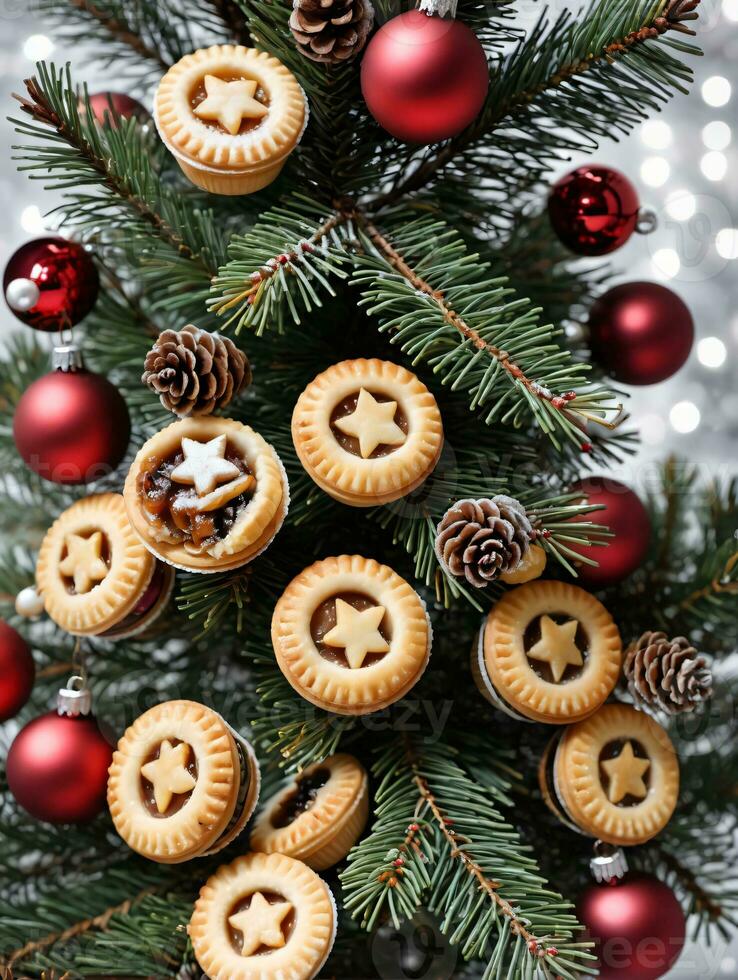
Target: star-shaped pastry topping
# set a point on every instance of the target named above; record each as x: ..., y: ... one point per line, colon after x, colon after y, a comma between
x: 169, y: 774
x: 625, y: 773
x: 372, y: 423
x: 229, y: 103
x: 205, y: 465
x: 357, y: 631
x: 261, y: 924
x: 84, y: 563
x: 557, y: 646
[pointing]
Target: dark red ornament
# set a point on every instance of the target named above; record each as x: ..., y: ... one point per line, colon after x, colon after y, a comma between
x: 424, y: 78
x: 627, y: 518
x: 71, y: 426
x: 594, y: 209
x: 50, y: 284
x: 637, y: 924
x: 57, y: 767
x: 17, y: 671
x: 109, y: 107
x: 640, y: 332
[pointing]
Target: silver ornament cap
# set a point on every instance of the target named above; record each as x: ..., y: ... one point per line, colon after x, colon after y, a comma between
x: 22, y: 295
x: 75, y: 699
x: 29, y: 603
x: 67, y: 358
x: 608, y: 863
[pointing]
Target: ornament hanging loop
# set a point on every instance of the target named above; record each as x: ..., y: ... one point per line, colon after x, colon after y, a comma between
x: 75, y: 699
x: 608, y: 864
x: 438, y: 8
x: 647, y: 221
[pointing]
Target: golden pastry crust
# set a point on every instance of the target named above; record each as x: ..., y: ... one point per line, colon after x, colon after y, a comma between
x: 352, y: 479
x: 579, y: 783
x: 215, y: 149
x: 510, y: 670
x: 332, y: 686
x: 323, y: 834
x: 201, y: 822
x: 109, y: 599
x: 257, y: 524
x: 306, y: 948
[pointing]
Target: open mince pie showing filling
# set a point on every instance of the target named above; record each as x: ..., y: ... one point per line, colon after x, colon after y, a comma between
x: 614, y: 776
x: 319, y: 816
x: 95, y: 576
x: 182, y: 783
x: 350, y: 635
x: 548, y: 652
x: 207, y: 494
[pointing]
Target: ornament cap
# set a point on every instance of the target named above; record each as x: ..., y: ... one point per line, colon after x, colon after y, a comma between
x: 67, y: 358
x: 609, y: 863
x: 438, y: 8
x: 75, y: 699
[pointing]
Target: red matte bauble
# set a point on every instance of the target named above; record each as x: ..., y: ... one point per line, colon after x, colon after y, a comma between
x: 424, y: 78
x: 640, y: 332
x: 593, y: 210
x: 627, y: 518
x: 638, y: 926
x: 17, y: 671
x: 71, y: 426
x: 50, y: 284
x: 57, y: 768
x: 108, y: 107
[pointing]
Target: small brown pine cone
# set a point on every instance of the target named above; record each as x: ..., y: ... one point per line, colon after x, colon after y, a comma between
x: 194, y: 372
x: 331, y: 31
x: 478, y: 540
x: 669, y: 675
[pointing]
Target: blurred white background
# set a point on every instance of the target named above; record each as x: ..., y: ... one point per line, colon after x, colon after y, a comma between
x: 684, y: 163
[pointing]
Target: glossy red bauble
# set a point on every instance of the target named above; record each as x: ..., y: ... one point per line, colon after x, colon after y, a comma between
x: 593, y: 210
x: 50, y: 284
x: 108, y: 107
x: 640, y: 332
x: 57, y: 768
x: 627, y: 518
x: 71, y: 426
x: 17, y: 671
x: 638, y: 926
x: 424, y: 78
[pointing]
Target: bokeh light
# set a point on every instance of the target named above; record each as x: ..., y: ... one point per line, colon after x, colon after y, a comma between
x: 684, y: 417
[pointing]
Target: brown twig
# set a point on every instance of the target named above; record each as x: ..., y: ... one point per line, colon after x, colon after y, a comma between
x: 121, y: 32
x: 234, y: 19
x: 716, y: 586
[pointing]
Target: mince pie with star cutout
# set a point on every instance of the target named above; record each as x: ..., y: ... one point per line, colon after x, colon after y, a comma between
x: 207, y: 494
x: 613, y: 776
x: 263, y: 917
x: 182, y: 783
x: 350, y: 635
x: 230, y: 115
x: 367, y: 431
x: 95, y: 576
x: 548, y: 652
x: 319, y: 816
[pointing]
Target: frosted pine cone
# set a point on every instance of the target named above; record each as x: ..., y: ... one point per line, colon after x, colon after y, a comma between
x: 478, y: 540
x: 331, y: 31
x: 194, y: 372
x: 669, y: 675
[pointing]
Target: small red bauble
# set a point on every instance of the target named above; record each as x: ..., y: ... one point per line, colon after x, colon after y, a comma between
x: 71, y: 426
x: 51, y: 284
x: 17, y: 671
x: 640, y: 332
x: 593, y: 210
x: 57, y: 768
x: 108, y: 107
x: 627, y: 518
x: 637, y: 924
x: 424, y: 78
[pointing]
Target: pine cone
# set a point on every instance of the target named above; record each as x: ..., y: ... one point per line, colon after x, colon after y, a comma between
x: 480, y: 539
x: 667, y: 674
x: 331, y: 31
x: 194, y: 372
